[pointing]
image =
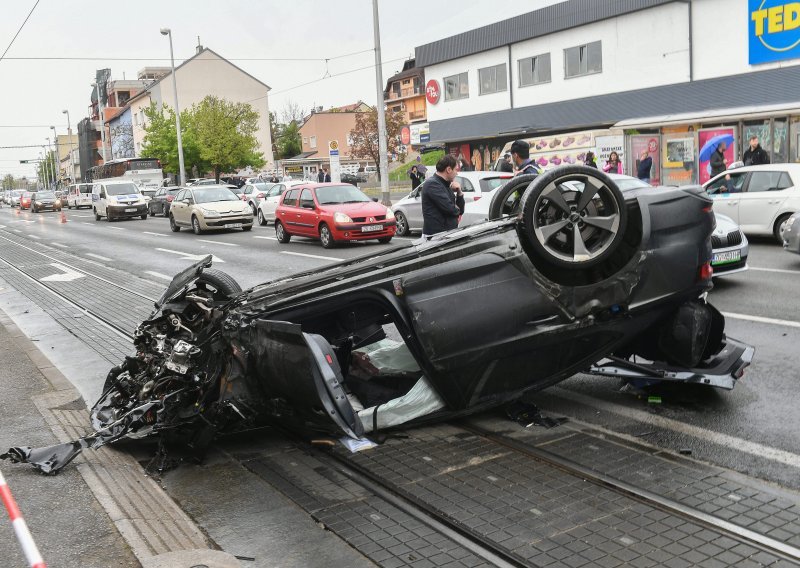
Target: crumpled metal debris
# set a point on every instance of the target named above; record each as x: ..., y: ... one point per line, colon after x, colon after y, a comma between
x: 527, y: 414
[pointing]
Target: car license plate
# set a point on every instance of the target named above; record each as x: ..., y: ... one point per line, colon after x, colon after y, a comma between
x: 370, y: 228
x: 130, y: 210
x: 726, y: 257
x: 233, y: 225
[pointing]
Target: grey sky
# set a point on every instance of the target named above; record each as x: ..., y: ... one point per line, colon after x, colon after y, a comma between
x: 34, y: 92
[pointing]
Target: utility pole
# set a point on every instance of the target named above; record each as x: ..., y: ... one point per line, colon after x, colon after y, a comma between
x: 57, y: 157
x: 382, y: 146
x: 182, y: 180
x: 72, y: 178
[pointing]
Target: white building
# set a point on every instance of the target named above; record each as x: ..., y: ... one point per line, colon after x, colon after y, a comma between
x: 634, y: 64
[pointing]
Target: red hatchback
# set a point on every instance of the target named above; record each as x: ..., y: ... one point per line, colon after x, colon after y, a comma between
x: 332, y: 212
x: 25, y: 200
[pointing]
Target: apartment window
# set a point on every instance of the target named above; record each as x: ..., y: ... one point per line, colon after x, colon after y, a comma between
x: 138, y: 148
x: 492, y: 79
x: 312, y: 141
x: 583, y: 60
x: 135, y: 119
x: 456, y: 87
x: 305, y: 140
x: 534, y: 70
x: 396, y: 88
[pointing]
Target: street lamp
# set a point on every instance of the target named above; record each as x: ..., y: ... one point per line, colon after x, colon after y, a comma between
x: 56, y: 158
x: 43, y: 170
x: 71, y: 148
x: 182, y: 179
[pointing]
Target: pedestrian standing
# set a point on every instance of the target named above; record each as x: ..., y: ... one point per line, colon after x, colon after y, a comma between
x: 323, y: 176
x: 718, y: 160
x: 416, y: 178
x: 755, y: 155
x: 590, y: 160
x: 521, y: 156
x: 442, y: 199
x: 643, y: 166
x: 613, y: 164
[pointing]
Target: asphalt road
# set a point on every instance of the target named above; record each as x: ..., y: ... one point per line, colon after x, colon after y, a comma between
x: 751, y: 429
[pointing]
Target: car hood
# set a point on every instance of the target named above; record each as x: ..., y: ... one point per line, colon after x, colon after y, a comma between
x: 725, y: 224
x: 225, y: 206
x: 363, y: 209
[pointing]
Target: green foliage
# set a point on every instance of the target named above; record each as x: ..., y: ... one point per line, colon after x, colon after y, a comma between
x: 46, y: 168
x: 364, y: 137
x: 161, y: 140
x: 8, y: 182
x: 288, y: 140
x: 428, y: 159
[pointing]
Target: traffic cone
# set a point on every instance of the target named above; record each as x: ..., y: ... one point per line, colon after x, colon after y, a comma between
x: 63, y: 217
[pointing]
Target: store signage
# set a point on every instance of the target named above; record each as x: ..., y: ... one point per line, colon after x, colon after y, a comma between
x: 773, y: 30
x: 432, y: 91
x: 405, y: 135
x: 333, y: 155
x: 420, y: 133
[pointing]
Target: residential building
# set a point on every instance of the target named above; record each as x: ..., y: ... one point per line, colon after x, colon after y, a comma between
x: 405, y: 92
x: 658, y: 67
x: 67, y: 146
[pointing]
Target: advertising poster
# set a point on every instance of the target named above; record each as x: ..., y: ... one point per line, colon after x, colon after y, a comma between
x: 606, y: 145
x: 649, y: 142
x: 708, y: 139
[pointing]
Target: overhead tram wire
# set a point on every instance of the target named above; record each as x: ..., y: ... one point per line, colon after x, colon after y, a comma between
x: 276, y: 59
x: 13, y: 39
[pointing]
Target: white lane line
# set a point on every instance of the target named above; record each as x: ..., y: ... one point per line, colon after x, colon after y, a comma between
x: 59, y: 245
x: 17, y: 231
x: 780, y: 270
x: 98, y: 257
x: 760, y: 319
x: 85, y: 223
x: 217, y: 243
x: 311, y: 255
x: 731, y: 442
x: 118, y: 228
x: 267, y: 238
x: 84, y: 216
x: 158, y: 275
x: 155, y: 234
x: 34, y: 237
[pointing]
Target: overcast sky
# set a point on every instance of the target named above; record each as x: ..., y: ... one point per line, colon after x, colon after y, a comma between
x: 33, y: 92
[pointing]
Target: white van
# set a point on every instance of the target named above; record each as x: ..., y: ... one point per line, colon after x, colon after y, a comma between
x: 79, y: 195
x: 118, y: 200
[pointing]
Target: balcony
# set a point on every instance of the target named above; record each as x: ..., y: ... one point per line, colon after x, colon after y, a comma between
x: 394, y: 95
x: 417, y: 115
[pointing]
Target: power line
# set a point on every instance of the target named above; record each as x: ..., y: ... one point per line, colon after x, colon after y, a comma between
x: 19, y: 30
x: 31, y: 126
x: 286, y: 59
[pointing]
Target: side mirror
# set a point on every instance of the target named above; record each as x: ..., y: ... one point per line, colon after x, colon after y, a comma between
x: 375, y: 199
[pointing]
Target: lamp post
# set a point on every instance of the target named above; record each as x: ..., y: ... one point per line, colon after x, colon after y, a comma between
x: 71, y: 149
x: 56, y: 157
x: 43, y: 170
x: 379, y: 106
x: 182, y: 179
x: 102, y: 124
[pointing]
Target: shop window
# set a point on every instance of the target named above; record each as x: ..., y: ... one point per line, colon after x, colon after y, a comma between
x: 780, y: 134
x: 534, y: 70
x: 583, y: 59
x: 492, y: 79
x: 456, y: 87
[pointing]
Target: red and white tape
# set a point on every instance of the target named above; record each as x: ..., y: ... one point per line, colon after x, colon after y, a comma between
x: 23, y: 534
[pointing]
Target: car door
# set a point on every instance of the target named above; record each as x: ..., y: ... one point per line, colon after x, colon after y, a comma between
x: 179, y: 209
x: 307, y: 214
x: 413, y: 209
x: 466, y: 188
x: 762, y: 199
x: 725, y: 200
x: 101, y: 204
x: 270, y: 202
x: 157, y: 203
x: 287, y: 213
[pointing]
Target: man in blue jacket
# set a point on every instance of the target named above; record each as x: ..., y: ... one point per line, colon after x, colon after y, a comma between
x: 442, y: 199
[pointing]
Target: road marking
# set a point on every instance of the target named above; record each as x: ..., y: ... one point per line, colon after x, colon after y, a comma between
x: 190, y: 256
x: 780, y: 270
x: 731, y: 442
x: 84, y: 216
x: 66, y: 274
x: 33, y: 237
x: 118, y: 228
x: 85, y: 223
x: 311, y: 255
x: 218, y: 243
x: 17, y: 231
x: 760, y: 319
x: 59, y: 245
x: 98, y: 257
x: 158, y: 275
x: 155, y: 234
x: 268, y: 238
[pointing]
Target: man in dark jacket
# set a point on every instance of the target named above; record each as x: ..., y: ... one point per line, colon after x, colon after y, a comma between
x: 323, y: 176
x: 643, y: 166
x: 755, y: 154
x: 718, y: 160
x: 520, y: 155
x: 416, y: 177
x: 442, y: 199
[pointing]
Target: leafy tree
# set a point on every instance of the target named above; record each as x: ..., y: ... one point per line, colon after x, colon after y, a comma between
x: 364, y: 137
x: 161, y: 139
x: 226, y: 134
x: 8, y: 182
x: 289, y: 141
x: 46, y: 168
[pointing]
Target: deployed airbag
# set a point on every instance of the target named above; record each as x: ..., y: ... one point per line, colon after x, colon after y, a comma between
x: 419, y: 401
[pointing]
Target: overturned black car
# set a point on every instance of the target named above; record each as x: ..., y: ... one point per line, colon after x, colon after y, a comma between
x: 572, y: 276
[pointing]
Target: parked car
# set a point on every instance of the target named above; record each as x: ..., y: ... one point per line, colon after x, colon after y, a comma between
x: 255, y: 192
x: 477, y: 186
x: 161, y: 201
x: 203, y: 181
x: 43, y: 200
x: 25, y: 200
x: 791, y: 234
x: 79, y: 195
x: 730, y: 247
x: 117, y: 200
x: 207, y: 208
x: 268, y: 205
x: 556, y: 295
x: 760, y: 199
x: 16, y: 195
x: 332, y: 213
x: 352, y: 179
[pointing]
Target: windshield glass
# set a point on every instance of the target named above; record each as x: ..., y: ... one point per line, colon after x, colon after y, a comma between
x: 489, y: 184
x: 212, y: 194
x: 122, y: 189
x: 263, y: 186
x: 624, y: 184
x: 18, y: 192
x: 85, y: 188
x: 333, y: 194
x: 45, y: 195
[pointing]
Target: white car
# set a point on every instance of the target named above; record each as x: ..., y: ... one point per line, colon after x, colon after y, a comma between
x: 475, y: 185
x: 760, y: 199
x: 729, y: 247
x: 254, y: 192
x: 268, y: 205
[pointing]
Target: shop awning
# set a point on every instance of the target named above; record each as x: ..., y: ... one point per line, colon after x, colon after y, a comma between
x: 751, y: 112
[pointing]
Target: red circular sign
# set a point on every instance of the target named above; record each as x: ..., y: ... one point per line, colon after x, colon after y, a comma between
x: 405, y: 135
x: 432, y: 91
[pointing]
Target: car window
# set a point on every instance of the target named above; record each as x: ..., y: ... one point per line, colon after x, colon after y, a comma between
x: 488, y: 184
x: 275, y: 191
x: 291, y: 197
x: 161, y: 191
x: 763, y: 181
x: 719, y: 186
x: 181, y: 195
x: 785, y: 181
x: 306, y: 199
x: 466, y: 185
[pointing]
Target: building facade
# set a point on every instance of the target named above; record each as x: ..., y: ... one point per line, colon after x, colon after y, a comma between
x: 658, y: 71
x: 405, y: 92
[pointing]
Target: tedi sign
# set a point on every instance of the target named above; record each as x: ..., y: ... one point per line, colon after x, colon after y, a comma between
x: 774, y: 30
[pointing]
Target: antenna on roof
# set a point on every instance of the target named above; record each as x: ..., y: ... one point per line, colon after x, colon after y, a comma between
x: 199, y: 45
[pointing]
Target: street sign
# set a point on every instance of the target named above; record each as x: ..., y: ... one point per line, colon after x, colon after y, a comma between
x: 432, y: 91
x: 333, y: 154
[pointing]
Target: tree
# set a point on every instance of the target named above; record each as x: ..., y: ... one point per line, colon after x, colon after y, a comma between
x: 226, y: 134
x: 364, y: 137
x: 8, y: 182
x: 47, y: 168
x: 161, y: 139
x: 292, y: 112
x: 288, y: 142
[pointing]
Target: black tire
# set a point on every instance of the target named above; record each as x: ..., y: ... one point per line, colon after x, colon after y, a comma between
x: 385, y: 240
x: 574, y: 226
x: 174, y: 227
x: 247, y: 228
x: 196, y: 226
x: 144, y: 216
x: 165, y: 211
x: 96, y: 215
x: 326, y: 237
x: 402, y: 224
x: 776, y: 230
x: 221, y: 283
x: 507, y: 200
x: 253, y: 207
x: 281, y: 234
x: 261, y: 220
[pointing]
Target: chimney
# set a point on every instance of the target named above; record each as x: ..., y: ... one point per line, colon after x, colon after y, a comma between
x: 199, y: 45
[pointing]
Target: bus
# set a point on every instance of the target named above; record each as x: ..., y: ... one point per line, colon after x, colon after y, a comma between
x: 144, y: 172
